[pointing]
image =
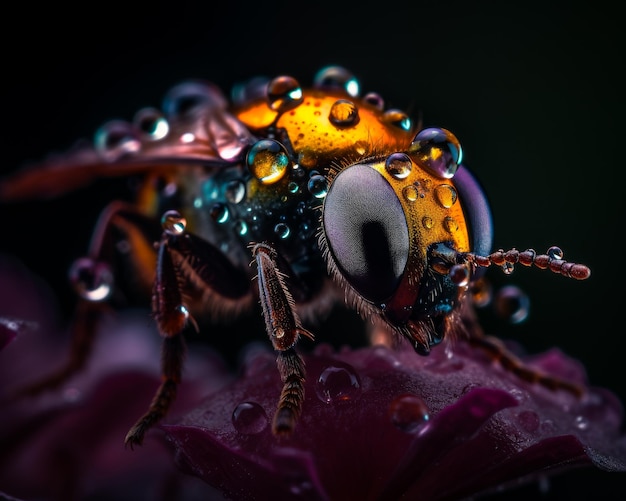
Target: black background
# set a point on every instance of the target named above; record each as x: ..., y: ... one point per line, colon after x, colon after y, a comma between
x: 533, y: 91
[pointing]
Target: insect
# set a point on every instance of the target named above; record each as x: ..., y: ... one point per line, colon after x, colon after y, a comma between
x: 290, y: 197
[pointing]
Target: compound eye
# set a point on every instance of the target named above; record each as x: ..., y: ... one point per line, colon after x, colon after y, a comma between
x: 366, y: 231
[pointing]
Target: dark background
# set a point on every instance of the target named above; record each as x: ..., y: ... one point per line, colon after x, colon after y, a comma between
x: 534, y: 93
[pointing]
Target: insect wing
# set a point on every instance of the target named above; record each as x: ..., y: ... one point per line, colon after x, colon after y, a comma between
x: 202, y: 133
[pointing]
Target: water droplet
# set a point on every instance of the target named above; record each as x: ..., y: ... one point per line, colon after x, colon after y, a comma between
x: 267, y: 160
x: 116, y: 138
x: 251, y: 90
x: 181, y: 308
x: 410, y: 193
x: 337, y: 384
x: 446, y: 195
x: 318, y: 186
x: 459, y: 275
x: 187, y: 98
x: 297, y: 171
x: 219, y: 213
x: 292, y: 187
x: 305, y: 231
x: 249, y: 418
x: 581, y: 422
x: 398, y: 118
x: 336, y: 77
x: 241, y: 228
x: 300, y: 487
x: 409, y: 413
x: 282, y: 230
x: 555, y: 252
x: 210, y: 190
x: 187, y: 138
x: 529, y: 421
x: 375, y: 99
x: 512, y: 304
x: 508, y: 268
x: 92, y: 280
x: 450, y: 224
x: 284, y: 93
x: 427, y: 222
x: 151, y: 123
x: 438, y: 150
x: 173, y: 223
x: 520, y: 395
x: 480, y: 292
x: 169, y: 190
x: 343, y: 113
x: 235, y: 191
x: 398, y: 165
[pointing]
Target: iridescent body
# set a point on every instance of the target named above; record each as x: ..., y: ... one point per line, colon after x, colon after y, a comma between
x: 331, y: 195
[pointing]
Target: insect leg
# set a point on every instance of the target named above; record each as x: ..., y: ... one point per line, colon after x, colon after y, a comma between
x: 283, y: 328
x: 91, y: 276
x: 497, y: 351
x: 171, y: 318
x: 184, y: 262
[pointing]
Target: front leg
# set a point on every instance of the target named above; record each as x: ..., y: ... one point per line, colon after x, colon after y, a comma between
x: 93, y: 278
x: 183, y: 260
x: 283, y: 328
x: 171, y: 318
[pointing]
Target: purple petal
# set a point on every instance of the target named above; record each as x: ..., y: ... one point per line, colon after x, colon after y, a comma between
x: 480, y: 428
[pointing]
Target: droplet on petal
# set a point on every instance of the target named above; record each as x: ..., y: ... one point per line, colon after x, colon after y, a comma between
x: 249, y: 418
x: 529, y: 420
x: 409, y: 413
x: 337, y: 384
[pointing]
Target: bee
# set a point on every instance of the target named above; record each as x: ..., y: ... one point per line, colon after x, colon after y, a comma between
x: 295, y: 198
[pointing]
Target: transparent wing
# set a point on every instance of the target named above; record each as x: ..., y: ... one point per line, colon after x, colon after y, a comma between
x: 194, y: 127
